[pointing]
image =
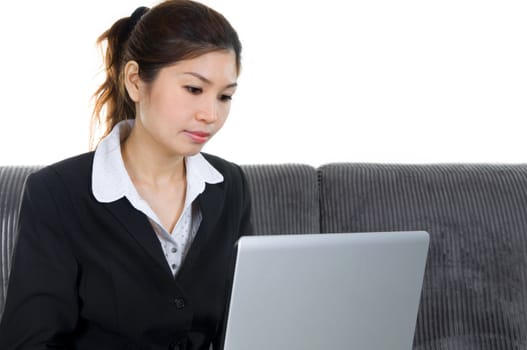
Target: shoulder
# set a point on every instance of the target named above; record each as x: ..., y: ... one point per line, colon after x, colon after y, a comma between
x: 53, y: 188
x: 234, y: 178
x: 80, y: 163
x: 71, y: 172
x: 237, y: 189
x: 230, y: 170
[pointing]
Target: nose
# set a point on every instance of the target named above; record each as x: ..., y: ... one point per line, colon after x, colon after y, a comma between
x: 208, y: 113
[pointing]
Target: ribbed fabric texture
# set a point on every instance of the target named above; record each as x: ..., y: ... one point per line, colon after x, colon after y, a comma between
x: 284, y: 198
x: 12, y: 179
x: 474, y: 290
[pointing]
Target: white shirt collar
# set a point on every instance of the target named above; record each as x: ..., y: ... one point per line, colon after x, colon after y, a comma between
x: 110, y: 180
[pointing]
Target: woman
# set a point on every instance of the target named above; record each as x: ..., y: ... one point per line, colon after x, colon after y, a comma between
x: 131, y: 246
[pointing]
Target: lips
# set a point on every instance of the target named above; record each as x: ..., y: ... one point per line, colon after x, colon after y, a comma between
x: 198, y: 136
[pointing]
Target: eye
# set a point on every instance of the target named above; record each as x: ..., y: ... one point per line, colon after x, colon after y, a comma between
x: 225, y: 98
x: 194, y: 90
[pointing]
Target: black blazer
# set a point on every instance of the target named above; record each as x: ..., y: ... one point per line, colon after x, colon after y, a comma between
x: 90, y: 275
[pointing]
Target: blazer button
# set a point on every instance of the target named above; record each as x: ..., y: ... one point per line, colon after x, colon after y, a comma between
x: 179, y: 345
x: 180, y: 303
x: 174, y: 346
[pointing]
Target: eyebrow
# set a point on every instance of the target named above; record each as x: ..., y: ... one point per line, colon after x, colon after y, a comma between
x: 207, y: 81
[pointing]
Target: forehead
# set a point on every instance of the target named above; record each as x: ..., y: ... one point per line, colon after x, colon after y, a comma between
x: 219, y: 67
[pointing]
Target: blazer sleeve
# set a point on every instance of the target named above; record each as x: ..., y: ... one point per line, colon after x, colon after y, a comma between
x: 41, y: 310
x: 245, y: 228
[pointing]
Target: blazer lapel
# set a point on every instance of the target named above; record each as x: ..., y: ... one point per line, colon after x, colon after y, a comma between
x: 211, y: 203
x: 137, y: 224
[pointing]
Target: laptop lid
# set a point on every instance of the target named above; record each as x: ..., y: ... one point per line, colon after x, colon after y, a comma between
x: 326, y: 291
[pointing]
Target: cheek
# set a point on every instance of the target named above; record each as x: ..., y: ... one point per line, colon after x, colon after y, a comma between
x: 167, y: 105
x: 222, y: 115
x: 224, y: 109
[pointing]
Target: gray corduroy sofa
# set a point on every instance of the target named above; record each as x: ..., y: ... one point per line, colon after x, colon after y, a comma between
x: 475, y: 286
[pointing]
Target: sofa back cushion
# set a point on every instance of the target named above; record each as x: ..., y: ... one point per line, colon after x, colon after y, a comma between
x: 475, y: 286
x: 12, y: 180
x: 284, y: 198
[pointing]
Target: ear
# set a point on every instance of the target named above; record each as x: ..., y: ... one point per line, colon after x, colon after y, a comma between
x: 132, y: 80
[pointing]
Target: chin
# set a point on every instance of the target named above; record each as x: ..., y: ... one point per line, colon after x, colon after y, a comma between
x: 187, y: 151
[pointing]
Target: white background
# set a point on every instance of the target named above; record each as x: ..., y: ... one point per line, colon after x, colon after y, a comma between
x: 411, y: 81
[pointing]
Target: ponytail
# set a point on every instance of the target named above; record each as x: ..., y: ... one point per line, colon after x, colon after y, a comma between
x: 112, y: 103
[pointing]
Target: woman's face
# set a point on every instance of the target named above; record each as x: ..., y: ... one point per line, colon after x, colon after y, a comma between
x: 187, y: 103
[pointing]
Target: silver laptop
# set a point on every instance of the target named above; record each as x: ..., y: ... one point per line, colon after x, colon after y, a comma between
x: 326, y: 291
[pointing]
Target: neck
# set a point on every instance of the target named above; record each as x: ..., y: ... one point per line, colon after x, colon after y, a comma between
x: 148, y: 163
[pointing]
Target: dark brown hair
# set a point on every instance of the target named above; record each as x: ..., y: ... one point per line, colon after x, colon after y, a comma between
x: 171, y: 31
